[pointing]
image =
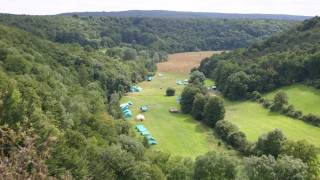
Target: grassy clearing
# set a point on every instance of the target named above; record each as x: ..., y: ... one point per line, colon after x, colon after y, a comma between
x: 304, y: 98
x: 178, y: 134
x: 254, y: 120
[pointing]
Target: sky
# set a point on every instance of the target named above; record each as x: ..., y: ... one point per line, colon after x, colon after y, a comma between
x: 49, y: 7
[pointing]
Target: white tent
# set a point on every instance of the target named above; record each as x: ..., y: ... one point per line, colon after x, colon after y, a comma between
x: 140, y: 117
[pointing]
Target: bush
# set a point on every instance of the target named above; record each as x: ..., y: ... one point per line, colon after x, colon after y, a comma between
x: 280, y: 99
x: 187, y: 97
x: 198, y: 106
x: 255, y: 96
x: 231, y: 134
x: 215, y: 166
x: 271, y: 143
x: 129, y: 54
x: 267, y: 104
x: 197, y: 77
x: 214, y: 111
x: 170, y: 91
x: 313, y: 119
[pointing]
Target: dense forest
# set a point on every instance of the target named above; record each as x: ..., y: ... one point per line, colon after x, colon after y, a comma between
x: 61, y: 82
x: 158, y: 34
x: 292, y: 56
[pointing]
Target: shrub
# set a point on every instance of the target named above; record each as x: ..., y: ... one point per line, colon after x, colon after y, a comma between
x: 214, y: 111
x: 271, y: 143
x: 198, y: 106
x: 215, y: 166
x: 231, y: 134
x: 197, y: 76
x: 187, y: 97
x: 313, y: 119
x: 280, y: 99
x: 267, y: 104
x: 255, y: 95
x: 170, y: 91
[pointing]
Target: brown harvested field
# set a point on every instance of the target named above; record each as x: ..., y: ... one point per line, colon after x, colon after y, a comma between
x: 184, y: 62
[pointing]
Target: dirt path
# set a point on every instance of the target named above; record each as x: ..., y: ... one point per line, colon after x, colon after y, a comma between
x: 184, y: 62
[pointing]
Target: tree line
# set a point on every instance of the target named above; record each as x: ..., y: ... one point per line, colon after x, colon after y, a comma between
x: 157, y: 34
x: 273, y: 156
x: 284, y: 59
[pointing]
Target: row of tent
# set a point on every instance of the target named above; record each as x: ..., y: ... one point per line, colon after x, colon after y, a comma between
x: 125, y: 109
x: 144, y: 131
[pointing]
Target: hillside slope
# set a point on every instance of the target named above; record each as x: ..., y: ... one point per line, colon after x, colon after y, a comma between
x: 158, y: 34
x: 283, y: 59
x: 57, y: 107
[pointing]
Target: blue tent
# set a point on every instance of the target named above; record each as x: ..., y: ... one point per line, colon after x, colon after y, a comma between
x: 135, y: 89
x: 141, y: 128
x: 149, y: 137
x: 152, y: 142
x: 146, y: 132
x: 149, y: 78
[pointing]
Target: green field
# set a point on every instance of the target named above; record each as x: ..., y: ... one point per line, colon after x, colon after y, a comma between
x: 304, y: 98
x: 178, y: 134
x: 255, y: 120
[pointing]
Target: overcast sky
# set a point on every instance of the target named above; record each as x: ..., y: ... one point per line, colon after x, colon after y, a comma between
x: 42, y: 7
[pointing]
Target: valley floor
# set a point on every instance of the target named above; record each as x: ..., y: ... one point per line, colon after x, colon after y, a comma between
x: 180, y: 135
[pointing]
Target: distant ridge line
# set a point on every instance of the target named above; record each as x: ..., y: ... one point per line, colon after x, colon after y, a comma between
x: 184, y: 14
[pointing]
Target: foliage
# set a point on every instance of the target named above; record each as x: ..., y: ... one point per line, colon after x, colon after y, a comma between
x: 157, y: 34
x: 232, y: 135
x: 308, y: 154
x: 187, y: 97
x: 214, y: 165
x: 267, y: 168
x: 180, y: 168
x: 271, y: 143
x: 197, y: 77
x: 213, y: 111
x: 170, y: 91
x: 198, y: 105
x: 283, y: 59
x: 280, y: 99
x: 20, y: 158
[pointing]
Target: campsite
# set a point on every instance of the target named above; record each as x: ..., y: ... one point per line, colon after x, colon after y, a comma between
x: 194, y: 138
x: 160, y: 90
x: 178, y: 133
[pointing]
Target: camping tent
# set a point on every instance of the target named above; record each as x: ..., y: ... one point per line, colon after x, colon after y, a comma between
x: 140, y: 117
x: 144, y: 108
x: 173, y: 110
x: 135, y: 89
x: 128, y: 114
x: 152, y: 142
x: 149, y: 78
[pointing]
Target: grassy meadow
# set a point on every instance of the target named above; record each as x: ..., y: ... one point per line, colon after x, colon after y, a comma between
x: 181, y: 135
x: 304, y: 98
x: 255, y: 120
x: 178, y: 134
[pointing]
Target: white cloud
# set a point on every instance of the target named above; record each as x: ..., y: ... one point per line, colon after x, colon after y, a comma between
x: 298, y: 7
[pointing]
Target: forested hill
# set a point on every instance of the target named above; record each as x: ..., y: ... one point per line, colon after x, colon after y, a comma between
x: 158, y: 34
x: 58, y: 103
x: 293, y: 56
x: 179, y: 14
